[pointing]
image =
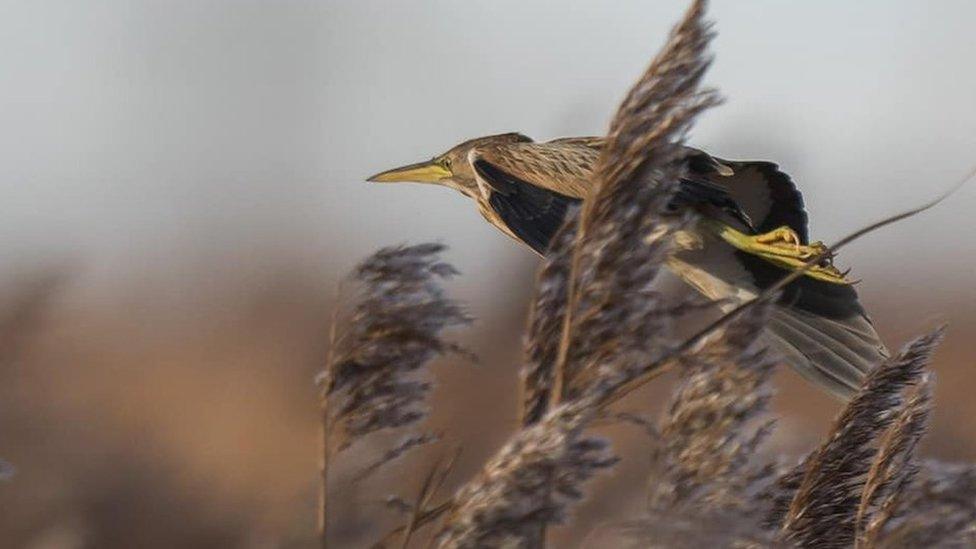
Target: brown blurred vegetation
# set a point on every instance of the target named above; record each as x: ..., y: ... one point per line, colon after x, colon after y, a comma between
x: 134, y: 423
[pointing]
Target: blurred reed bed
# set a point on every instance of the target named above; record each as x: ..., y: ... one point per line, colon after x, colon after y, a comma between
x: 597, y: 330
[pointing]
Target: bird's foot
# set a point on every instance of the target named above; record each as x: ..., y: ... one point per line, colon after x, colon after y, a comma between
x: 785, y: 242
x: 782, y: 246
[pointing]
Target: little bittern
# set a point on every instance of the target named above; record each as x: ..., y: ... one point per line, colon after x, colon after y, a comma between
x: 752, y: 231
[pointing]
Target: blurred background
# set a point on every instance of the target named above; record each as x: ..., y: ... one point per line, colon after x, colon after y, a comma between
x: 181, y: 185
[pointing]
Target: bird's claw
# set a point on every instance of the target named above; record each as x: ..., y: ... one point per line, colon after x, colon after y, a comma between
x: 782, y: 236
x: 783, y: 246
x: 785, y: 242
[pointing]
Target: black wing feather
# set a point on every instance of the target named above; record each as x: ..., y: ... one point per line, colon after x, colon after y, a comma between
x: 697, y: 192
x: 786, y: 201
x: 757, y: 194
x: 532, y: 213
x: 826, y: 299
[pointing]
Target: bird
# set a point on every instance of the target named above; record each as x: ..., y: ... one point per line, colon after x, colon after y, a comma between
x: 752, y: 231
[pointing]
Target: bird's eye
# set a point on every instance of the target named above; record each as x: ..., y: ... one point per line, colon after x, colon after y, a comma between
x: 446, y: 163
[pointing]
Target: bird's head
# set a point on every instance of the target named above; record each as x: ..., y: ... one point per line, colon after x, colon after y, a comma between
x: 450, y: 169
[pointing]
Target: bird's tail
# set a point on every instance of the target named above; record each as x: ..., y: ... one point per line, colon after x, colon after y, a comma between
x: 836, y: 354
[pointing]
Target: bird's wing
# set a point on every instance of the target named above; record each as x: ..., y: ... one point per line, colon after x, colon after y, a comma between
x: 698, y: 192
x: 533, y: 214
x: 754, y: 194
x: 770, y: 196
x: 819, y: 327
x: 835, y: 354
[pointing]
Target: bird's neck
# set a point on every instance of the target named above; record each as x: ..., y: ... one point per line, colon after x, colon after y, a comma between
x: 470, y: 191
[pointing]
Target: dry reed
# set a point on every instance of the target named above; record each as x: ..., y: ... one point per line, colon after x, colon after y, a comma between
x: 824, y: 508
x: 373, y: 378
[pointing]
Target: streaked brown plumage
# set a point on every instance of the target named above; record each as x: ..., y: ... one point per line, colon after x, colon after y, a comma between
x: 753, y: 229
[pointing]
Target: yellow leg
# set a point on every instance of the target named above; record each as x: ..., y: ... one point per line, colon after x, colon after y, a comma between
x: 782, y: 247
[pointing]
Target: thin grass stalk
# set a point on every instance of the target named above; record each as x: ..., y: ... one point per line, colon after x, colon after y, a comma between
x: 421, y: 519
x: 431, y: 485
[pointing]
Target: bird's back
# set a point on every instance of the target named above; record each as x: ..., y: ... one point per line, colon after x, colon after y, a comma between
x: 564, y: 165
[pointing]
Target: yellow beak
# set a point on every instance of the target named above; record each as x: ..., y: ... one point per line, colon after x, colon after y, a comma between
x: 421, y: 172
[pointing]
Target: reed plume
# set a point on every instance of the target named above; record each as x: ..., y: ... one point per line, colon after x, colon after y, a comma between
x: 612, y: 320
x: 704, y: 480
x: 530, y: 481
x: 373, y: 379
x: 823, y: 510
x: 596, y: 322
x: 545, y: 324
x: 894, y: 468
x: 709, y: 431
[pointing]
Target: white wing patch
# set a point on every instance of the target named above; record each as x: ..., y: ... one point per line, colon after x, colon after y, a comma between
x: 483, y: 187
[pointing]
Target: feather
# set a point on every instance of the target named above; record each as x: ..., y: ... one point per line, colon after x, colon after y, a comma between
x: 834, y: 354
x: 531, y: 213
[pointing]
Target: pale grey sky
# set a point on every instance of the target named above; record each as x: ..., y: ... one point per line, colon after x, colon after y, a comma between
x: 172, y: 140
